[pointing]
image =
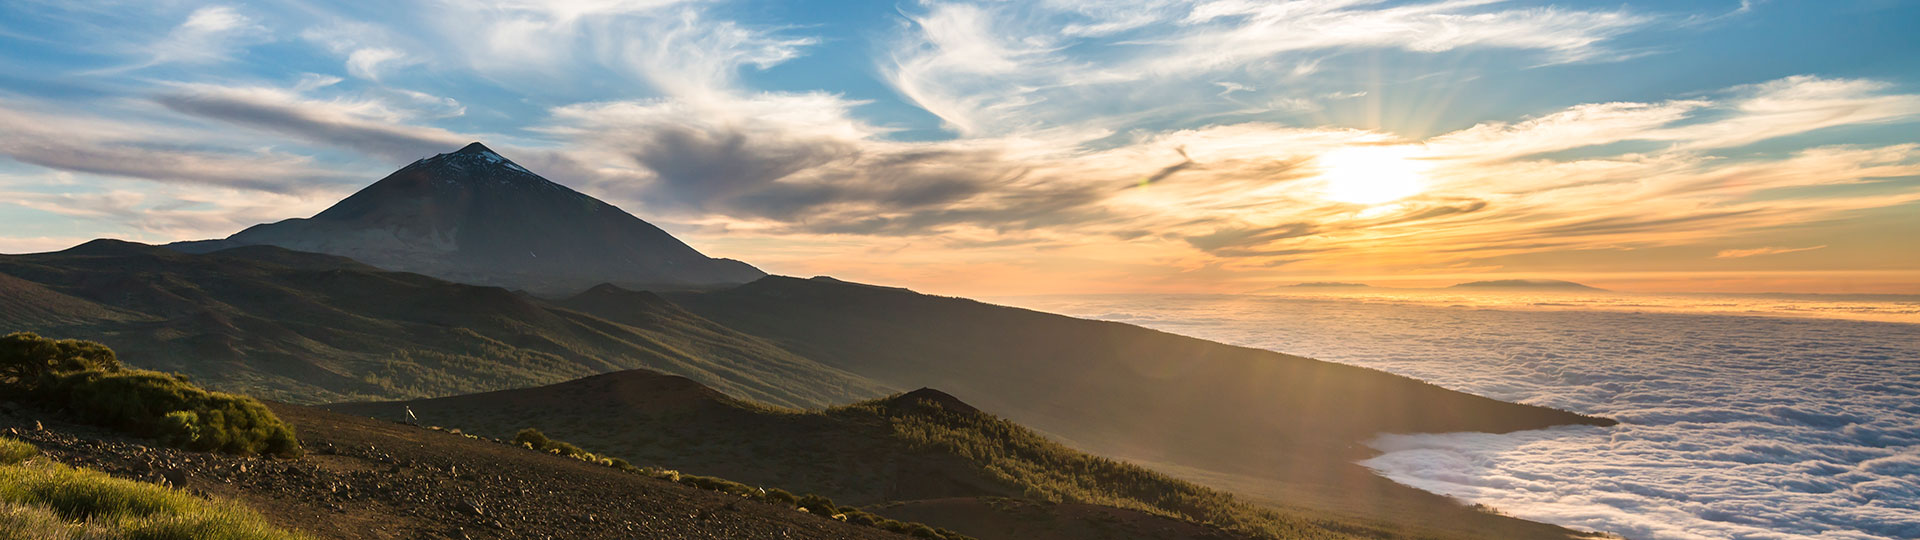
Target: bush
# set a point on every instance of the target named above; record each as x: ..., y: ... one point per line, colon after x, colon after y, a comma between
x: 777, y: 495
x: 25, y: 356
x: 167, y: 407
x: 86, y: 378
x: 41, y: 499
x: 819, y: 505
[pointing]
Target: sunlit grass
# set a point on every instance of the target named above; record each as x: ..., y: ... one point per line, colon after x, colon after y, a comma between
x: 43, y: 500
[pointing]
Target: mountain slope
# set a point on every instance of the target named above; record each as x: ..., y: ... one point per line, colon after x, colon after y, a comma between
x: 1205, y: 410
x: 1094, y: 381
x: 472, y: 216
x: 927, y: 452
x: 305, y: 327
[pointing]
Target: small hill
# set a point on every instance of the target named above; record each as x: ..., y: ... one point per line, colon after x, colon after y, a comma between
x: 1204, y: 409
x: 925, y: 452
x: 1527, y: 284
x: 473, y: 216
x: 308, y: 327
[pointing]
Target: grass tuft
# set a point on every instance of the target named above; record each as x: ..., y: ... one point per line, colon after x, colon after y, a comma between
x: 44, y: 500
x: 12, y: 451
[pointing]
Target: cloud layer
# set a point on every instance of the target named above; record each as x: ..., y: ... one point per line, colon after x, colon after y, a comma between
x: 1733, y: 426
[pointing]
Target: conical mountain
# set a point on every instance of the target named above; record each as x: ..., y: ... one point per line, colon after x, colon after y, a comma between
x: 473, y: 216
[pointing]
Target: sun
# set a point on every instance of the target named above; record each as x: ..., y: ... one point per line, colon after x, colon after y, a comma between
x: 1371, y: 174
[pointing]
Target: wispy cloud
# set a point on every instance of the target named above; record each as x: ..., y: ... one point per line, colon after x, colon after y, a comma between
x: 209, y: 34
x: 1755, y: 252
x: 369, y: 126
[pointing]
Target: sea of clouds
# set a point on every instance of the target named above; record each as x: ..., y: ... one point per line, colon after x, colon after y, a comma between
x: 1732, y: 426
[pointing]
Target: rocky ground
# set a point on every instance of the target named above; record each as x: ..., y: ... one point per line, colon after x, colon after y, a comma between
x: 372, y: 479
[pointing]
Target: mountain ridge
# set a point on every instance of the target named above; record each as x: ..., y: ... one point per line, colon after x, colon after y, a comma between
x: 306, y: 327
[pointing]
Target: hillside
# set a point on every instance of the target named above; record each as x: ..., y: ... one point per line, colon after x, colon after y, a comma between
x: 304, y: 327
x: 375, y: 480
x: 926, y: 453
x: 1289, y: 425
x: 473, y: 216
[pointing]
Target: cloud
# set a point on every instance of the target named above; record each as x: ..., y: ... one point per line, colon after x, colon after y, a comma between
x: 798, y: 163
x: 367, y: 126
x: 1754, y: 252
x: 1817, y: 436
x: 1752, y: 113
x: 209, y: 34
x: 988, y: 68
x: 675, y: 47
x: 101, y: 146
x: 366, y: 63
x: 1235, y: 242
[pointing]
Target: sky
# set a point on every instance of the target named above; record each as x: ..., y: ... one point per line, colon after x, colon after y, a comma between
x: 1047, y: 146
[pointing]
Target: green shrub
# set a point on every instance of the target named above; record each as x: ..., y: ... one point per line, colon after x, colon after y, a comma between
x: 533, y: 438
x: 86, y: 378
x: 780, y: 496
x: 818, y: 504
x: 41, y: 499
x: 25, y: 356
x: 167, y: 407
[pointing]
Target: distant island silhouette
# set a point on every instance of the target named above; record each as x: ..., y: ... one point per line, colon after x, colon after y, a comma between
x: 1330, y: 285
x: 1528, y: 284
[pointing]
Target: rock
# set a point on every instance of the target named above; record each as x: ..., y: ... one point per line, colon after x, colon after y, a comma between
x: 176, y: 477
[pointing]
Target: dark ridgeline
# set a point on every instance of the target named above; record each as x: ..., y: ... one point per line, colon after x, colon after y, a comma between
x: 473, y: 216
x: 309, y: 328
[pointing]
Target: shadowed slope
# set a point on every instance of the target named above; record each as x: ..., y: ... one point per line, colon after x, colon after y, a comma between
x: 306, y: 327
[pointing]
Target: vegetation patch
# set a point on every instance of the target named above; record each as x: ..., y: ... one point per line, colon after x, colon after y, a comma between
x: 812, y: 503
x: 86, y: 378
x: 43, y: 500
x: 1043, y: 470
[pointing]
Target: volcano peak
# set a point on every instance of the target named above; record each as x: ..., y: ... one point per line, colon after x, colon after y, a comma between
x: 472, y: 216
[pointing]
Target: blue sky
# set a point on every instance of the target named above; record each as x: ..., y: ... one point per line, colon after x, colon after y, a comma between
x: 967, y: 147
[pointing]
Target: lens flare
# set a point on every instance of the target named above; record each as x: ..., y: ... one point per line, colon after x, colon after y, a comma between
x: 1371, y: 174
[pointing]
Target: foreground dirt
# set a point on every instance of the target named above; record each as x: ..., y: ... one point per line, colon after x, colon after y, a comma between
x: 372, y: 479
x: 995, y: 518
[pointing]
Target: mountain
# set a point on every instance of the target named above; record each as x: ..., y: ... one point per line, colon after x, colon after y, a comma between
x: 924, y: 453
x: 1527, y: 284
x: 1234, y: 416
x: 306, y: 327
x: 472, y: 216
